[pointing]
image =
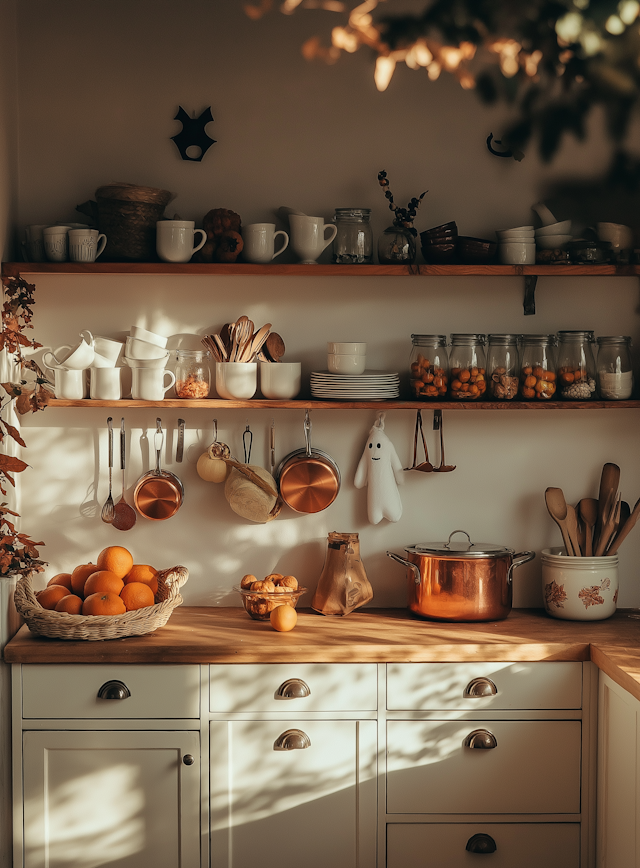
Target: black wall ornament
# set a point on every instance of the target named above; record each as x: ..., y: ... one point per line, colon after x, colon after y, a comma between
x: 517, y: 155
x: 193, y: 134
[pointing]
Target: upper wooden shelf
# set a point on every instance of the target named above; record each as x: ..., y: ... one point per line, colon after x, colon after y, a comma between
x: 12, y: 269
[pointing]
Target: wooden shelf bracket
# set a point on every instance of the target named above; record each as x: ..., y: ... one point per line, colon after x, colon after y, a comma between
x: 529, y: 304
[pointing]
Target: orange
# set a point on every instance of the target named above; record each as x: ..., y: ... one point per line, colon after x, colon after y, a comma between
x: 143, y: 573
x: 63, y: 579
x: 103, y: 604
x: 137, y: 595
x: 283, y: 618
x: 71, y: 604
x: 116, y: 559
x: 103, y: 581
x: 79, y: 576
x: 50, y: 596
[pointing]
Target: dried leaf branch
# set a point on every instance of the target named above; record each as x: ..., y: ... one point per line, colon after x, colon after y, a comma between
x: 403, y: 216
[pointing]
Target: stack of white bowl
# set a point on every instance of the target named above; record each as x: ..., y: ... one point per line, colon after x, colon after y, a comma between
x: 517, y: 246
x: 554, y: 235
x: 147, y: 355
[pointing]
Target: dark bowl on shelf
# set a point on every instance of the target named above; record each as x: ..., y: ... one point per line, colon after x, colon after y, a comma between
x: 444, y: 227
x: 437, y: 239
x: 476, y: 251
x: 439, y: 254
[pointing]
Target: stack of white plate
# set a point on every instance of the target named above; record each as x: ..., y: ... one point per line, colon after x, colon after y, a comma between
x: 370, y: 386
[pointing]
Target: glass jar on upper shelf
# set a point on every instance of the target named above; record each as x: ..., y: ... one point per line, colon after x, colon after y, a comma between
x: 537, y: 367
x: 467, y: 380
x: 397, y: 246
x: 614, y: 369
x: 193, y: 373
x: 353, y: 243
x: 429, y: 367
x: 576, y: 367
x: 502, y: 367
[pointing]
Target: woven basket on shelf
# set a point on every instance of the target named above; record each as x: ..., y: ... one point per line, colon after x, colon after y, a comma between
x: 127, y: 215
x: 61, y: 625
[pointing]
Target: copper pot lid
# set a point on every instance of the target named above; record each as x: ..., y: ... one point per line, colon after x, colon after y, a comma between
x: 157, y: 497
x: 308, y: 483
x: 460, y: 549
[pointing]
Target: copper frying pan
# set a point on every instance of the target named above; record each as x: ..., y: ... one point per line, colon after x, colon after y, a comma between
x: 158, y: 494
x: 309, y: 479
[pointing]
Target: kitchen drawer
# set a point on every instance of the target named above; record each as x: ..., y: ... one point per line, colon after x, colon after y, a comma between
x: 71, y: 691
x: 256, y: 687
x: 518, y: 845
x: 534, y: 768
x: 424, y: 686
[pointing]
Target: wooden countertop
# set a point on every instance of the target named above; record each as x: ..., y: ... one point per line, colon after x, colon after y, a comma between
x: 228, y: 635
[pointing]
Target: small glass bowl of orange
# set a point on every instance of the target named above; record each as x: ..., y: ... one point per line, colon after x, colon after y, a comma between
x: 259, y: 604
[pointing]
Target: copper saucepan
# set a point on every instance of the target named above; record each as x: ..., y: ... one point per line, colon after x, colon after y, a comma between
x: 461, y: 581
x: 309, y: 479
x: 158, y: 494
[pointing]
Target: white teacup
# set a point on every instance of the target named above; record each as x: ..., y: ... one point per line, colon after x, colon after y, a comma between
x: 148, y: 363
x: 259, y: 242
x: 236, y: 380
x: 309, y: 237
x: 107, y: 352
x: 68, y: 384
x: 105, y: 384
x: 85, y: 245
x: 281, y: 381
x: 175, y: 240
x: 137, y: 349
x: 150, y: 337
x: 150, y: 384
x: 73, y: 358
x: 56, y: 243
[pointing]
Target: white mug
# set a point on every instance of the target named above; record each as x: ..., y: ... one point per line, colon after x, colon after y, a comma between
x: 107, y: 352
x: 149, y: 384
x: 259, y: 242
x: 56, y: 243
x: 281, y: 381
x: 73, y: 358
x: 143, y: 334
x: 175, y: 240
x: 68, y: 384
x: 236, y: 380
x: 85, y: 245
x: 105, y: 384
x: 308, y: 237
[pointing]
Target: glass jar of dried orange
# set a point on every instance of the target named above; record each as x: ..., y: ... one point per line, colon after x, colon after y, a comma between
x: 429, y: 366
x: 502, y: 367
x: 467, y: 379
x: 537, y: 367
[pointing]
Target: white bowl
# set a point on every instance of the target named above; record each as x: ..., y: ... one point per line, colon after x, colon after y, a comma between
x: 147, y: 363
x: 137, y: 349
x: 517, y: 253
x: 237, y: 380
x: 346, y: 364
x: 550, y: 242
x: 347, y: 348
x: 562, y: 228
x: 280, y: 381
x: 150, y: 337
x: 516, y: 232
x: 579, y: 589
x: 518, y: 239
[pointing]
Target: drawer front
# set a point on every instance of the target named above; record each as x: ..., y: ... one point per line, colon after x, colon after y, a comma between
x: 533, y: 769
x: 525, y: 845
x: 71, y: 691
x: 311, y: 687
x: 433, y: 686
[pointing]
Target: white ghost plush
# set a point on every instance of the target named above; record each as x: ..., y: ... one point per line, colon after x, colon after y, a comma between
x: 380, y: 469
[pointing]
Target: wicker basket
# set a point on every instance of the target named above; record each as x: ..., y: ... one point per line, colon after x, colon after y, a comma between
x: 127, y: 215
x: 61, y: 625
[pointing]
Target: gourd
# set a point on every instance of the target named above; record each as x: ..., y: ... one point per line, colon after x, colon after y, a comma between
x: 211, y: 465
x: 252, y: 492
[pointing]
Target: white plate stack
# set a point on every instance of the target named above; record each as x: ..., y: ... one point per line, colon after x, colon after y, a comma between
x: 370, y: 386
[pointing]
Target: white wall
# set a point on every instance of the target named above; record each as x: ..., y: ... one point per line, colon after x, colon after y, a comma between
x: 312, y: 137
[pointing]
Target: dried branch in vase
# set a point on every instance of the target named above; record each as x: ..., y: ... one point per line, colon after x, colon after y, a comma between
x: 403, y: 216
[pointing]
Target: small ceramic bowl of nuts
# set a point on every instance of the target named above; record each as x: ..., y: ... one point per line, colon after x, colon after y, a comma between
x: 261, y: 597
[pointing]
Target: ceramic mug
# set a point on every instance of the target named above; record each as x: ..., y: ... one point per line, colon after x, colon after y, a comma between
x: 105, y: 384
x: 73, y: 358
x: 175, y: 240
x: 259, y: 242
x: 85, y: 245
x: 150, y: 337
x: 149, y: 384
x: 56, y: 243
x: 35, y: 242
x: 68, y: 384
x: 280, y: 381
x: 309, y: 237
x: 107, y: 352
x: 137, y: 349
x: 236, y: 380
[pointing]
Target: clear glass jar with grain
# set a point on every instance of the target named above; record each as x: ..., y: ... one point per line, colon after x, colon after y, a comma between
x: 193, y: 373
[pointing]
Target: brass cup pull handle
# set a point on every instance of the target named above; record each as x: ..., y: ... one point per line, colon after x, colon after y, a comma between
x: 293, y: 688
x: 481, y: 739
x: 481, y: 843
x: 479, y: 687
x: 292, y: 739
x: 114, y: 690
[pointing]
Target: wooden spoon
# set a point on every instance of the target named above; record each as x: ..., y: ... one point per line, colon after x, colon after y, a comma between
x: 588, y: 508
x: 557, y: 507
x: 625, y: 513
x: 625, y: 529
x: 275, y: 346
x: 609, y: 481
x: 609, y: 522
x: 259, y: 338
x: 572, y: 527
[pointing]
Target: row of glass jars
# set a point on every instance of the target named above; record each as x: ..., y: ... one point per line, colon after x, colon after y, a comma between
x: 529, y: 367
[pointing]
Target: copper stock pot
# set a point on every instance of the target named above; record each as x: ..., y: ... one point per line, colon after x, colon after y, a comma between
x: 461, y: 581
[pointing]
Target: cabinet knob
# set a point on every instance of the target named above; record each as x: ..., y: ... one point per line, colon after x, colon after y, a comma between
x: 114, y: 690
x: 292, y: 739
x: 481, y: 739
x: 480, y: 687
x: 293, y: 688
x: 188, y: 760
x: 481, y: 843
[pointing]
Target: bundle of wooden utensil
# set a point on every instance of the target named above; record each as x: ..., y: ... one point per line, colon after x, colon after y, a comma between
x: 595, y: 527
x: 239, y: 342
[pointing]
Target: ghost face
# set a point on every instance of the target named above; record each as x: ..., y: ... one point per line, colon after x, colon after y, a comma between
x: 375, y: 445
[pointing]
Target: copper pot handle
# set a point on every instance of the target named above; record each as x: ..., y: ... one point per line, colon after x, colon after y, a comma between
x: 518, y: 560
x: 416, y: 571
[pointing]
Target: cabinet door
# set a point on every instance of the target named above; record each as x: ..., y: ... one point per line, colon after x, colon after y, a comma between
x: 313, y: 806
x: 124, y: 799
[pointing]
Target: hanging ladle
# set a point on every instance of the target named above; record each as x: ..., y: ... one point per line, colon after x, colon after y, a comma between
x: 437, y: 425
x: 426, y: 466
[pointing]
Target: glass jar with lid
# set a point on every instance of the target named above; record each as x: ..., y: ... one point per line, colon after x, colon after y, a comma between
x: 537, y: 367
x: 576, y: 367
x: 429, y: 367
x: 353, y: 243
x: 614, y: 370
x: 502, y: 367
x: 467, y: 380
x: 193, y: 373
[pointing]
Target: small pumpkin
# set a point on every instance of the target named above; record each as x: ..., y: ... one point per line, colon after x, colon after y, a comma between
x: 211, y: 465
x: 252, y: 493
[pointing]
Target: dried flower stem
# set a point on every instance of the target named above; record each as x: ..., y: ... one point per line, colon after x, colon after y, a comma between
x: 403, y: 216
